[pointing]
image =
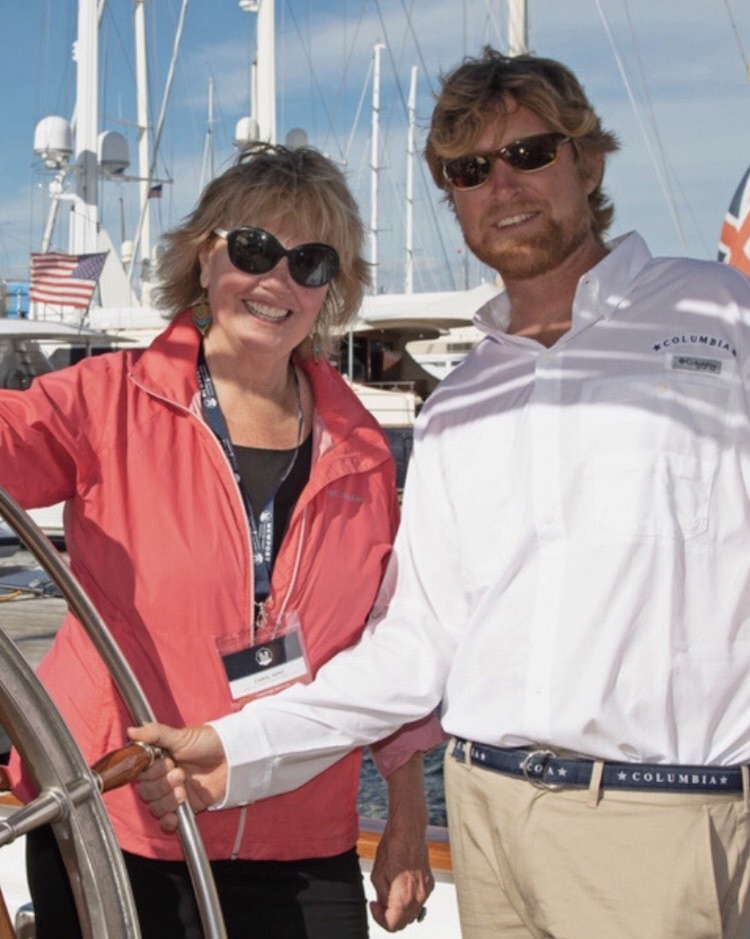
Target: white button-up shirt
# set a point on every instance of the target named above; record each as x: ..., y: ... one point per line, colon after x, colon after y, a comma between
x: 573, y: 565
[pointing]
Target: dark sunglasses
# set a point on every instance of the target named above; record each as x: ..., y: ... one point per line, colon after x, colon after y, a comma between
x: 255, y: 251
x: 527, y: 155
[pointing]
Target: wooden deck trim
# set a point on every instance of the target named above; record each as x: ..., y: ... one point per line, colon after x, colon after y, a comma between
x: 439, y: 851
x: 6, y: 926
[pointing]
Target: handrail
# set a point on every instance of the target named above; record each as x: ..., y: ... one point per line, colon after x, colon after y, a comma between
x: 129, y: 687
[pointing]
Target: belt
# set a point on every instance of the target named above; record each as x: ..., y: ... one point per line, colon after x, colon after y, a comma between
x: 544, y: 769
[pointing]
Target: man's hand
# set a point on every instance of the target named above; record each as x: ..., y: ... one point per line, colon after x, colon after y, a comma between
x: 401, y: 873
x: 195, y: 770
x: 402, y: 880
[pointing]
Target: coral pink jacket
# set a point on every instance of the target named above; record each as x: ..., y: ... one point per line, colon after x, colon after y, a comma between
x: 157, y: 536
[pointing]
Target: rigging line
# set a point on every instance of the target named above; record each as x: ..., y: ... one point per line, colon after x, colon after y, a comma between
x: 397, y: 197
x: 159, y: 128
x: 153, y: 57
x: 358, y: 114
x: 491, y: 20
x: 425, y: 71
x: 652, y: 118
x: 628, y: 88
x: 351, y: 46
x: 736, y: 32
x: 423, y: 65
x: 396, y: 71
x: 113, y: 27
x: 308, y: 58
x: 46, y: 26
x: 387, y: 42
x: 671, y: 181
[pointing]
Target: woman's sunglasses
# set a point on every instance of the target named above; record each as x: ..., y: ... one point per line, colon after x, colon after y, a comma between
x: 527, y: 155
x: 255, y: 251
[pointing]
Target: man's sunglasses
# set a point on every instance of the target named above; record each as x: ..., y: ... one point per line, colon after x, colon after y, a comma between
x: 255, y: 251
x: 527, y: 155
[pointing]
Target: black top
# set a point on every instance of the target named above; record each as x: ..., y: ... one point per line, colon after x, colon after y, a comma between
x: 261, y: 470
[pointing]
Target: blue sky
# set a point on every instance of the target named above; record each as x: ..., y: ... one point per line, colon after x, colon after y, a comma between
x: 670, y: 78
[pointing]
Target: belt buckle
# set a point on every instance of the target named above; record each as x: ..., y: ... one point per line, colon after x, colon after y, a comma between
x: 539, y: 782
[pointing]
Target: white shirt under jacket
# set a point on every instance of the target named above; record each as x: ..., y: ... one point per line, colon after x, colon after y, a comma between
x: 573, y: 564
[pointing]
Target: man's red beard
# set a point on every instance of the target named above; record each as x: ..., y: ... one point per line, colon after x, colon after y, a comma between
x: 519, y: 258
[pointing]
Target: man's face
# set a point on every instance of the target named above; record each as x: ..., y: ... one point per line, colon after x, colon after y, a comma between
x: 526, y: 224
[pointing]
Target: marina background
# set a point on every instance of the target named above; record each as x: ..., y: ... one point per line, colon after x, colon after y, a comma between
x: 670, y: 78
x: 373, y: 792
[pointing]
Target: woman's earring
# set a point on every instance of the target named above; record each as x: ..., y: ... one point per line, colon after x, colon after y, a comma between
x: 315, y: 339
x: 202, y: 315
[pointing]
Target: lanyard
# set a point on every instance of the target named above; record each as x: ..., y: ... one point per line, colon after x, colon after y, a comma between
x: 261, y: 529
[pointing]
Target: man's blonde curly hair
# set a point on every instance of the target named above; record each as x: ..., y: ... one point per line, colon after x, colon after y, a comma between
x: 474, y: 94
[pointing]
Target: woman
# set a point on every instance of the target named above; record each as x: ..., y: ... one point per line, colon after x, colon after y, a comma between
x: 230, y: 510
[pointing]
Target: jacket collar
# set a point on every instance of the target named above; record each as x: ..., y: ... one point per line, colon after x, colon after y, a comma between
x: 343, y: 428
x: 167, y: 369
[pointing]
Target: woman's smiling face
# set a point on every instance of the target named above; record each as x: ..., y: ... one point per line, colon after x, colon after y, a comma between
x: 267, y: 313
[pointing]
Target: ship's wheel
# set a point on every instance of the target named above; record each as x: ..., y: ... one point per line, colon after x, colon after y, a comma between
x: 69, y: 790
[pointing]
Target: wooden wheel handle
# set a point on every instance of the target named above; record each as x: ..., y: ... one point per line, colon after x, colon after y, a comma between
x: 123, y: 765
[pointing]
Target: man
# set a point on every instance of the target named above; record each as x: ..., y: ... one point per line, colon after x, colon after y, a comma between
x: 571, y: 578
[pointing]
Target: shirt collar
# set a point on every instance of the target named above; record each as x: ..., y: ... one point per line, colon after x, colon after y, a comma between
x: 600, y: 293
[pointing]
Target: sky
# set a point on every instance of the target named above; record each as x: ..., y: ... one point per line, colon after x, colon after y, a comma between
x: 668, y: 77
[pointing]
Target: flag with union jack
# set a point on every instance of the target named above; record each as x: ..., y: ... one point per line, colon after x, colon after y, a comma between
x: 734, y: 244
x: 65, y: 279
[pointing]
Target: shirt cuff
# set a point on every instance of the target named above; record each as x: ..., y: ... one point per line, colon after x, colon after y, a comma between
x: 418, y: 737
x: 248, y: 759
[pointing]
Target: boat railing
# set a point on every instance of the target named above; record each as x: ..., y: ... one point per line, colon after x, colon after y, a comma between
x: 438, y: 844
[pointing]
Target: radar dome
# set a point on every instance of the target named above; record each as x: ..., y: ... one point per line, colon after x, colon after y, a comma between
x: 296, y: 138
x: 246, y: 131
x: 53, y: 141
x: 114, y: 156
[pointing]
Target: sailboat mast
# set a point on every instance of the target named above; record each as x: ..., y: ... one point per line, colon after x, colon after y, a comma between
x: 410, y: 150
x: 85, y: 214
x: 144, y: 150
x: 263, y: 70
x: 518, y: 30
x: 207, y: 168
x: 151, y: 172
x: 266, y: 85
x: 375, y: 165
x: 262, y: 122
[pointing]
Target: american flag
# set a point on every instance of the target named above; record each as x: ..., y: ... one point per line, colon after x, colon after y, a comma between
x: 734, y: 244
x: 65, y: 279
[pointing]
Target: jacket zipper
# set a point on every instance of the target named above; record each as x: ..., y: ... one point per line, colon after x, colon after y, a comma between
x: 238, y: 499
x: 295, y: 571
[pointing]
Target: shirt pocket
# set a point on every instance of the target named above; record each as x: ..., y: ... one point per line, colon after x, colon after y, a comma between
x: 651, y: 496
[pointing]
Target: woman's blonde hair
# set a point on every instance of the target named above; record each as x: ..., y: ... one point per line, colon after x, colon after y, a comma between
x: 271, y: 186
x: 474, y: 94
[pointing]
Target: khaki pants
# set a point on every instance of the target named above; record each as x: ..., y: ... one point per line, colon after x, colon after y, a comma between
x: 590, y: 864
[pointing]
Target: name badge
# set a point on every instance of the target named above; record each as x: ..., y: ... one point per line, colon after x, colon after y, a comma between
x: 266, y: 667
